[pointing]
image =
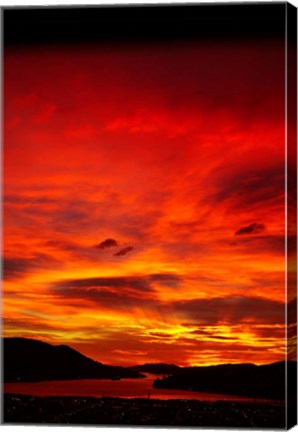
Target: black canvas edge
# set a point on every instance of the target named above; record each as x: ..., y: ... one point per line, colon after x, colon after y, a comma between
x: 141, y: 22
x: 291, y: 205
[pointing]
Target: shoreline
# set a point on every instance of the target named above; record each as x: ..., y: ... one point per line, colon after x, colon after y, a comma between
x: 125, y: 389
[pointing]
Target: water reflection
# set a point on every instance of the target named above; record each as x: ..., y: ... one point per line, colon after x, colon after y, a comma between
x: 125, y: 388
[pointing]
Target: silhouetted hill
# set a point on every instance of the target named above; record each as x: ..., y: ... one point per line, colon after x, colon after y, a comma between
x: 156, y: 368
x: 266, y: 381
x: 31, y: 360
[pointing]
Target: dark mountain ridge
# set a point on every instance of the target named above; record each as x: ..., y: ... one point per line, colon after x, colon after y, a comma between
x: 29, y: 360
x: 265, y: 381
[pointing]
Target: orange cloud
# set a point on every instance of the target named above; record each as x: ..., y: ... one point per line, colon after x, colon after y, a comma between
x: 171, y: 149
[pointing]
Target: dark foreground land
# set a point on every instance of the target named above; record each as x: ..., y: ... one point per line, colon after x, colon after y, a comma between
x: 116, y: 411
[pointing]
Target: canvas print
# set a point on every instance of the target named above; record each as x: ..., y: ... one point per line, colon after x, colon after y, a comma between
x: 149, y: 202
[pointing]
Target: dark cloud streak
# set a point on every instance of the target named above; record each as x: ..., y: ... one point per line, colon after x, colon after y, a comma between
x: 233, y: 310
x: 118, y: 293
x: 254, y: 228
x: 136, y: 283
x: 124, y: 251
x: 18, y: 267
x: 106, y: 244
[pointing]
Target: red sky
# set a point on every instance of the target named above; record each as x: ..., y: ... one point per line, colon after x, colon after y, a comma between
x: 175, y: 154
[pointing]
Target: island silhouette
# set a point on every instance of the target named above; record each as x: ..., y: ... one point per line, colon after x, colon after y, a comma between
x: 29, y: 360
